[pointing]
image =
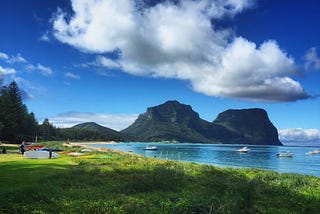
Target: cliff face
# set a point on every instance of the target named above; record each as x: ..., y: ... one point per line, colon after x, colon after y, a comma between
x: 253, y: 124
x: 173, y: 121
x: 170, y: 121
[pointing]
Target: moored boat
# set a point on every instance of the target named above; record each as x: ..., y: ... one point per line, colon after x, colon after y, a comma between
x: 243, y: 150
x: 151, y: 148
x: 285, y: 154
x: 314, y: 152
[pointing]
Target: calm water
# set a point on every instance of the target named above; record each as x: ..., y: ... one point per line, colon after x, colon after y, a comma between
x: 263, y: 157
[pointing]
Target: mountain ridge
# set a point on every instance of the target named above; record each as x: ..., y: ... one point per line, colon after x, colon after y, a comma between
x: 173, y: 121
x: 96, y: 132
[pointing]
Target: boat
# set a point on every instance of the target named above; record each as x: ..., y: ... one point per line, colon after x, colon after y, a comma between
x: 151, y: 148
x: 285, y: 154
x: 243, y: 150
x: 40, y: 154
x: 314, y: 152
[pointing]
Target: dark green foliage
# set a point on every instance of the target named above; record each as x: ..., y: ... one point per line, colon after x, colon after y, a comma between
x: 46, y: 131
x: 254, y: 124
x: 90, y: 131
x: 17, y: 123
x: 173, y: 121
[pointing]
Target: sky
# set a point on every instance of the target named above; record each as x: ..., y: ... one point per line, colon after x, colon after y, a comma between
x: 106, y: 61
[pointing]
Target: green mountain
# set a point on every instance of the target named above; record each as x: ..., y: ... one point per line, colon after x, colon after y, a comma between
x: 93, y: 131
x: 170, y: 121
x: 253, y: 124
x: 173, y: 121
x: 91, y: 126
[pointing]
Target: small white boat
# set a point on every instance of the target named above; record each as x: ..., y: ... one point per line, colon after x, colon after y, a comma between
x: 151, y: 148
x: 243, y: 150
x: 314, y: 152
x: 285, y: 154
x: 40, y: 154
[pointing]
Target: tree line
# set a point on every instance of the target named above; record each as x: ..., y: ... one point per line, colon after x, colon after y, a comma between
x: 18, y: 124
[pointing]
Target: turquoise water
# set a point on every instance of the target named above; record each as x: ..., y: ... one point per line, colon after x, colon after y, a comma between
x: 263, y: 157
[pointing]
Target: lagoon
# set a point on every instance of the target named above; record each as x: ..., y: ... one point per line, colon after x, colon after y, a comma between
x: 262, y: 157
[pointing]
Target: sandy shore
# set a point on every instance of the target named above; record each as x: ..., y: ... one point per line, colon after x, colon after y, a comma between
x: 86, y: 145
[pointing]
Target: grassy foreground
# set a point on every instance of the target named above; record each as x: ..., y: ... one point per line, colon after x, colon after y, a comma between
x: 124, y: 183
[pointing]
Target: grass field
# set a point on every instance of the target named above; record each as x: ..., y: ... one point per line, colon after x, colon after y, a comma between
x: 125, y: 183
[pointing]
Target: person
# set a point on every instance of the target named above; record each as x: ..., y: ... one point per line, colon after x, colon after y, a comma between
x: 22, y: 148
x: 4, y: 151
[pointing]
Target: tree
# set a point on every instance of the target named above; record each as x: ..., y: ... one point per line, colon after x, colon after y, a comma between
x: 47, y: 131
x: 17, y: 123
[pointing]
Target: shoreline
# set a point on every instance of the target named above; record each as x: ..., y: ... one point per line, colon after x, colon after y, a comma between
x: 86, y: 145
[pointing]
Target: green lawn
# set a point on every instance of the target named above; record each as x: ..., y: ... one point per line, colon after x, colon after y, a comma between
x: 134, y: 184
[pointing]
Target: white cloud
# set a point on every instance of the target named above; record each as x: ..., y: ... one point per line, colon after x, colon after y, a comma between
x: 106, y: 62
x: 6, y: 71
x: 312, y: 59
x: 16, y: 59
x: 45, y: 37
x: 298, y: 135
x: 113, y: 121
x: 181, y: 41
x: 3, y: 56
x: 46, y: 71
x: 72, y: 75
x: 13, y: 60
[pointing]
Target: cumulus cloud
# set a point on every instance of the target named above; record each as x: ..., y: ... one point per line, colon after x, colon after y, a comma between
x: 113, y: 121
x: 298, y: 135
x: 106, y: 62
x: 312, y: 59
x: 181, y: 40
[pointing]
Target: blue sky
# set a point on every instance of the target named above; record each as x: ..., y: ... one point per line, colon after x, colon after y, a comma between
x: 107, y: 61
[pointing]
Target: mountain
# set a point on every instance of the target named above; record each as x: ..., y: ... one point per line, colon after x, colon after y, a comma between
x: 173, y: 121
x: 170, y: 121
x: 253, y: 124
x: 97, y: 132
x: 91, y: 126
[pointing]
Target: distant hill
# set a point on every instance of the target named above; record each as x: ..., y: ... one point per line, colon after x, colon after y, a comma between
x: 91, y: 130
x: 91, y: 126
x: 173, y: 121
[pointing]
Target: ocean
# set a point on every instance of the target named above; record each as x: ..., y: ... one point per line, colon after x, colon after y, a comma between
x: 262, y: 157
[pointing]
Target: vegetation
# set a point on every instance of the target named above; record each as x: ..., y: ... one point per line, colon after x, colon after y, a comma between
x: 173, y: 121
x: 128, y: 183
x: 15, y: 120
x: 17, y: 124
x: 91, y: 131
